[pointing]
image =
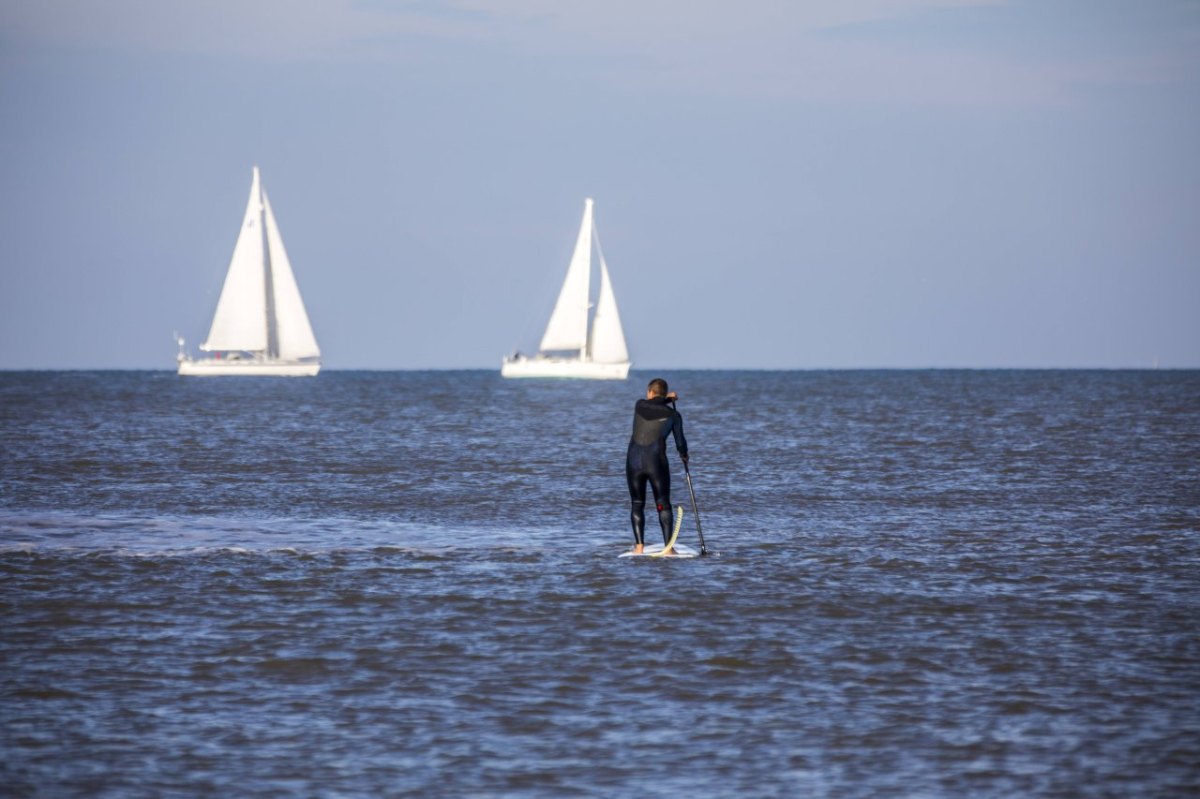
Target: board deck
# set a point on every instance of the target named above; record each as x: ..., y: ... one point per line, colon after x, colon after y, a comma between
x: 655, y: 551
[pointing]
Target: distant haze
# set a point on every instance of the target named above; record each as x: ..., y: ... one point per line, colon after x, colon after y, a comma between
x: 912, y: 183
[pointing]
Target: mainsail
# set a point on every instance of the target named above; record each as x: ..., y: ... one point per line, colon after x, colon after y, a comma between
x: 568, y: 326
x: 240, y: 322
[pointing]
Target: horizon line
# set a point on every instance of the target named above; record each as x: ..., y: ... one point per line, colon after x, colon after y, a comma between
x: 1158, y: 368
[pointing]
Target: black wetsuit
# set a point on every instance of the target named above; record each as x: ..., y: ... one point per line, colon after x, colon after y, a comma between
x: 646, y: 461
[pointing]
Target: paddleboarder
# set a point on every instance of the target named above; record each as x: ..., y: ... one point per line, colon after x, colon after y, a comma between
x: 654, y: 418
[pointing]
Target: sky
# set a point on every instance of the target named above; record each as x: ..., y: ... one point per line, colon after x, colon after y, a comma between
x: 778, y: 185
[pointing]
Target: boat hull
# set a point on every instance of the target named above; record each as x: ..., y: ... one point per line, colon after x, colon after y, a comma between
x: 563, y: 369
x: 211, y: 367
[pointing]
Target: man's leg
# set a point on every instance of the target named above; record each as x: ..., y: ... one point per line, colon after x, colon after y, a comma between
x: 660, y: 482
x: 637, y: 512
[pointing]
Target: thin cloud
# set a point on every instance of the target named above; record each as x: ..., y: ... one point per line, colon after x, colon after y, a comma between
x: 774, y: 48
x: 265, y: 29
x: 289, y: 29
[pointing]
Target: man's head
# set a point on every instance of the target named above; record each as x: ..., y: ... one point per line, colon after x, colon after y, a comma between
x: 656, y: 388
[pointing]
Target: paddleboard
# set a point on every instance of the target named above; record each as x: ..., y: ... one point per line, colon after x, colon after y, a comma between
x: 655, y: 551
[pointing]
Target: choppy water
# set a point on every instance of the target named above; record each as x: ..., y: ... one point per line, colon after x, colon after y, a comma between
x: 936, y: 584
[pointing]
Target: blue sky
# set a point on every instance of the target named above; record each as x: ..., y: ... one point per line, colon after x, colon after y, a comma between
x: 778, y: 185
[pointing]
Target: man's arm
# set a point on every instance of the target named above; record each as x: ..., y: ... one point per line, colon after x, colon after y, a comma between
x: 680, y: 441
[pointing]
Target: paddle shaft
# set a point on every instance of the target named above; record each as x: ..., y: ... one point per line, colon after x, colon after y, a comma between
x: 696, y: 510
x: 691, y: 492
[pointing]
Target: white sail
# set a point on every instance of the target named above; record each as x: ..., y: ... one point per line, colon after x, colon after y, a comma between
x: 294, y: 337
x: 240, y: 322
x: 568, y: 326
x: 608, y: 338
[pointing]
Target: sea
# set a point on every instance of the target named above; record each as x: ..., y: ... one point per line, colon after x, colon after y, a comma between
x: 406, y: 584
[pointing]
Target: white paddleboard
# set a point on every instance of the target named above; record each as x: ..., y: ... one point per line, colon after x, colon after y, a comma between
x: 655, y: 551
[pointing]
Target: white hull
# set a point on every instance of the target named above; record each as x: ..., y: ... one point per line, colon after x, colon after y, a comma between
x: 563, y: 368
x: 211, y: 367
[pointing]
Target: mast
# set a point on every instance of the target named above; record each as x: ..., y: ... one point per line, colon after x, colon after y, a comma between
x: 591, y: 229
x: 268, y: 280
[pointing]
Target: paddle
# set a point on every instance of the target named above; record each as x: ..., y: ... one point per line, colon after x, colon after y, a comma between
x: 695, y: 509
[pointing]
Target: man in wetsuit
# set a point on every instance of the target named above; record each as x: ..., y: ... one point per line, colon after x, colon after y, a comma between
x: 646, y: 461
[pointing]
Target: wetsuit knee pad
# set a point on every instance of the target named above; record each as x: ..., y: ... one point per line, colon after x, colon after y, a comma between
x: 666, y: 520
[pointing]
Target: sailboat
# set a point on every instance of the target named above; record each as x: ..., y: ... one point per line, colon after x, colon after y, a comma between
x: 260, y: 327
x: 581, y: 340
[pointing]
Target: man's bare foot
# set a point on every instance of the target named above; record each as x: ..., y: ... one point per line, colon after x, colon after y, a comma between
x: 637, y: 549
x: 669, y: 552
